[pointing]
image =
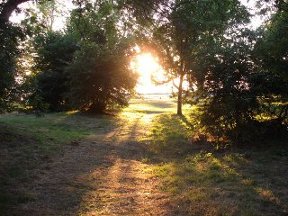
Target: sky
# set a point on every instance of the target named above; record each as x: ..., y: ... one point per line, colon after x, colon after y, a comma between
x: 256, y: 20
x: 60, y: 19
x: 67, y: 6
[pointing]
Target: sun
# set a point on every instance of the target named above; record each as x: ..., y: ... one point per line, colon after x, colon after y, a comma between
x: 146, y: 64
x: 149, y: 69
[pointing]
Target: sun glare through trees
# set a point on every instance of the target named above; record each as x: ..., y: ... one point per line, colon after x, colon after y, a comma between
x: 132, y: 107
x: 152, y: 79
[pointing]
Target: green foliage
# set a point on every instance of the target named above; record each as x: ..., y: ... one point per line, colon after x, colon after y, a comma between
x: 96, y: 76
x: 100, y: 74
x: 54, y: 53
x: 234, y: 93
x: 227, y: 98
x: 204, y: 43
x: 271, y: 53
x: 99, y: 78
x: 190, y: 28
x: 237, y: 83
x: 9, y: 38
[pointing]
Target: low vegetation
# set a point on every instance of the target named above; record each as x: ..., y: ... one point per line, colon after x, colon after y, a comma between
x: 199, y: 179
x: 224, y: 153
x: 28, y: 142
x: 204, y: 181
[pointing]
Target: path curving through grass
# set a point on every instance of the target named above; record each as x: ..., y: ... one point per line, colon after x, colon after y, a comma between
x: 141, y: 161
x: 106, y: 173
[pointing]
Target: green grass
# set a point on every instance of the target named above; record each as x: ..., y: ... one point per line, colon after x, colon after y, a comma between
x: 55, y: 129
x: 200, y: 180
x: 170, y: 134
x: 28, y: 141
x: 203, y: 181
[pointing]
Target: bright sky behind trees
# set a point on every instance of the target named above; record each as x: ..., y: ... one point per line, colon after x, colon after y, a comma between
x: 145, y: 64
x: 67, y: 6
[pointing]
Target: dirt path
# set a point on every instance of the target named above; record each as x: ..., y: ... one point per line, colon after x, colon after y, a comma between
x: 103, y: 175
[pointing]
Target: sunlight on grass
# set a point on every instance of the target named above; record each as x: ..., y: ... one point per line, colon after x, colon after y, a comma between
x: 141, y: 113
x: 169, y: 133
x: 211, y: 183
x: 268, y: 195
x: 49, y: 131
x: 218, y: 185
x: 28, y: 141
x: 119, y: 183
x: 198, y: 179
x: 150, y: 106
x: 72, y: 112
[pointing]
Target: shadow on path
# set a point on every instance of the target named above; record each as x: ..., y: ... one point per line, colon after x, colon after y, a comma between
x: 104, y: 175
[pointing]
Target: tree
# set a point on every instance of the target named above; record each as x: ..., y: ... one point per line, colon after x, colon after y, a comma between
x: 9, y: 37
x: 188, y: 27
x: 55, y: 52
x: 271, y: 54
x: 40, y: 46
x: 244, y: 78
x: 226, y: 96
x: 100, y: 75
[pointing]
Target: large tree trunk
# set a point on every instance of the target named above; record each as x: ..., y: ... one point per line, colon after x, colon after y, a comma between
x: 8, y: 8
x: 180, y: 96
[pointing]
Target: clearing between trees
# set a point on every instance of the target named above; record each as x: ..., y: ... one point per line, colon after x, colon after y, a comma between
x: 141, y: 161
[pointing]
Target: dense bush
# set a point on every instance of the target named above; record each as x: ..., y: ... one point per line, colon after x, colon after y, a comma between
x: 54, y: 53
x: 100, y: 78
x: 241, y: 101
x: 100, y: 74
x: 9, y: 38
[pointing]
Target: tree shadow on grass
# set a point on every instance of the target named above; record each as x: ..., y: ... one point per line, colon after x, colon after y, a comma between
x: 102, y: 175
x: 28, y: 145
x: 113, y: 185
x: 17, y: 159
x: 106, y: 176
x: 171, y: 137
x: 203, y: 181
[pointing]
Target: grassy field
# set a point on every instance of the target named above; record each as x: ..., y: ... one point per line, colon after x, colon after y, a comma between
x: 204, y: 181
x: 28, y: 141
x: 198, y: 179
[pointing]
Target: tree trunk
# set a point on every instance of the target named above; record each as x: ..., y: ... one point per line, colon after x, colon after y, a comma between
x: 180, y: 96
